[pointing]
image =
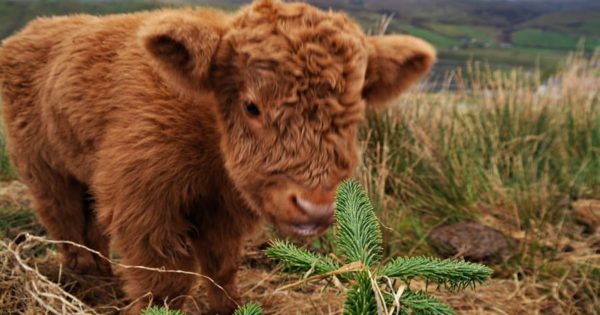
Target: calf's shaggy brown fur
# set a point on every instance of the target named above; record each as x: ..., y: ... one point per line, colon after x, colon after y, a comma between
x: 170, y: 133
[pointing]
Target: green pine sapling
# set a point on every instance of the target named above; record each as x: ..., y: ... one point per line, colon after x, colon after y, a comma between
x: 156, y: 310
x: 376, y: 288
x: 248, y: 309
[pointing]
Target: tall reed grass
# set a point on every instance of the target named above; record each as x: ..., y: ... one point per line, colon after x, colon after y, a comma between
x: 505, y: 149
x: 6, y: 170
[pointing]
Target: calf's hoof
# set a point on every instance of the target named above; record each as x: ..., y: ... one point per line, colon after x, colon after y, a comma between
x: 84, y: 262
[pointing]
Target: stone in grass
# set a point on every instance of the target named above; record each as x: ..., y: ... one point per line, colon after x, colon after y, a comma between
x: 472, y: 241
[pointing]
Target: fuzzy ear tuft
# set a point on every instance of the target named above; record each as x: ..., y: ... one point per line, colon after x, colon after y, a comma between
x: 169, y: 51
x: 395, y: 63
x: 181, y: 46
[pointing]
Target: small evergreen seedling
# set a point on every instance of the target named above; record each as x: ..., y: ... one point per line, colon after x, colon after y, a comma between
x: 375, y: 288
x: 156, y: 310
x: 249, y: 309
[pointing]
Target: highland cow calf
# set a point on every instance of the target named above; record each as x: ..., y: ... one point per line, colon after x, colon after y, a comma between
x: 171, y: 133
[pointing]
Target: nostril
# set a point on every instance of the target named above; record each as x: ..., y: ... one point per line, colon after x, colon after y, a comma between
x: 315, y: 210
x: 294, y: 201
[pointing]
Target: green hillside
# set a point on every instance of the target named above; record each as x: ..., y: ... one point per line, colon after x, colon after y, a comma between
x: 525, y: 33
x: 532, y: 37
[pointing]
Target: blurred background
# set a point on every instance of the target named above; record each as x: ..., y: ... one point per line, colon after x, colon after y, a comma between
x: 505, y: 33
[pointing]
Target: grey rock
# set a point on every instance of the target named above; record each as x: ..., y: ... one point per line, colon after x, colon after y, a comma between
x: 470, y: 240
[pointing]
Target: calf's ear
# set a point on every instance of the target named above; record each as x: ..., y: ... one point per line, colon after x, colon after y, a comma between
x: 181, y: 47
x: 395, y: 63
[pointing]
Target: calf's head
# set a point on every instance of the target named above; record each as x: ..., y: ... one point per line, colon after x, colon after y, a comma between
x: 292, y: 84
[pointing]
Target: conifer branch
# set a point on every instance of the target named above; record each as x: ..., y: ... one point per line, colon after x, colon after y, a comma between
x: 454, y: 273
x: 420, y: 303
x: 299, y: 260
x: 358, y: 237
x: 360, y: 299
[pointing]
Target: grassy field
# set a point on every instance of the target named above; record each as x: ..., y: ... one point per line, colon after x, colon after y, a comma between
x: 577, y: 22
x: 503, y: 150
x: 541, y: 59
x: 530, y: 37
x: 438, y: 40
x: 480, y: 33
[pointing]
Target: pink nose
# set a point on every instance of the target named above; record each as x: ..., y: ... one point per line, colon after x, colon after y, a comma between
x: 316, y: 206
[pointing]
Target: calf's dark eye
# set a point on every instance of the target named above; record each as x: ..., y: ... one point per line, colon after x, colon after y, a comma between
x: 252, y: 109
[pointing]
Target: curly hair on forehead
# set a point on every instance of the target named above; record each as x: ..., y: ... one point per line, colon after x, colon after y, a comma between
x: 318, y: 51
x: 297, y: 14
x: 305, y: 68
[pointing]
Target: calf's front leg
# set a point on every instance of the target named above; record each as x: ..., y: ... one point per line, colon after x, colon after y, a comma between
x: 148, y: 230
x: 221, y: 231
x: 219, y: 257
x: 155, y: 246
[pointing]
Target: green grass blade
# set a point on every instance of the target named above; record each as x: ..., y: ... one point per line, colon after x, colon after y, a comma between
x: 358, y: 237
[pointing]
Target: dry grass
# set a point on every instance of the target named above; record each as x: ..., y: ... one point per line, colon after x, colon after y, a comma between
x: 507, y: 152
x: 32, y: 282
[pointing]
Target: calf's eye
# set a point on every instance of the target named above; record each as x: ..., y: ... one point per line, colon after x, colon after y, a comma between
x: 252, y: 110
